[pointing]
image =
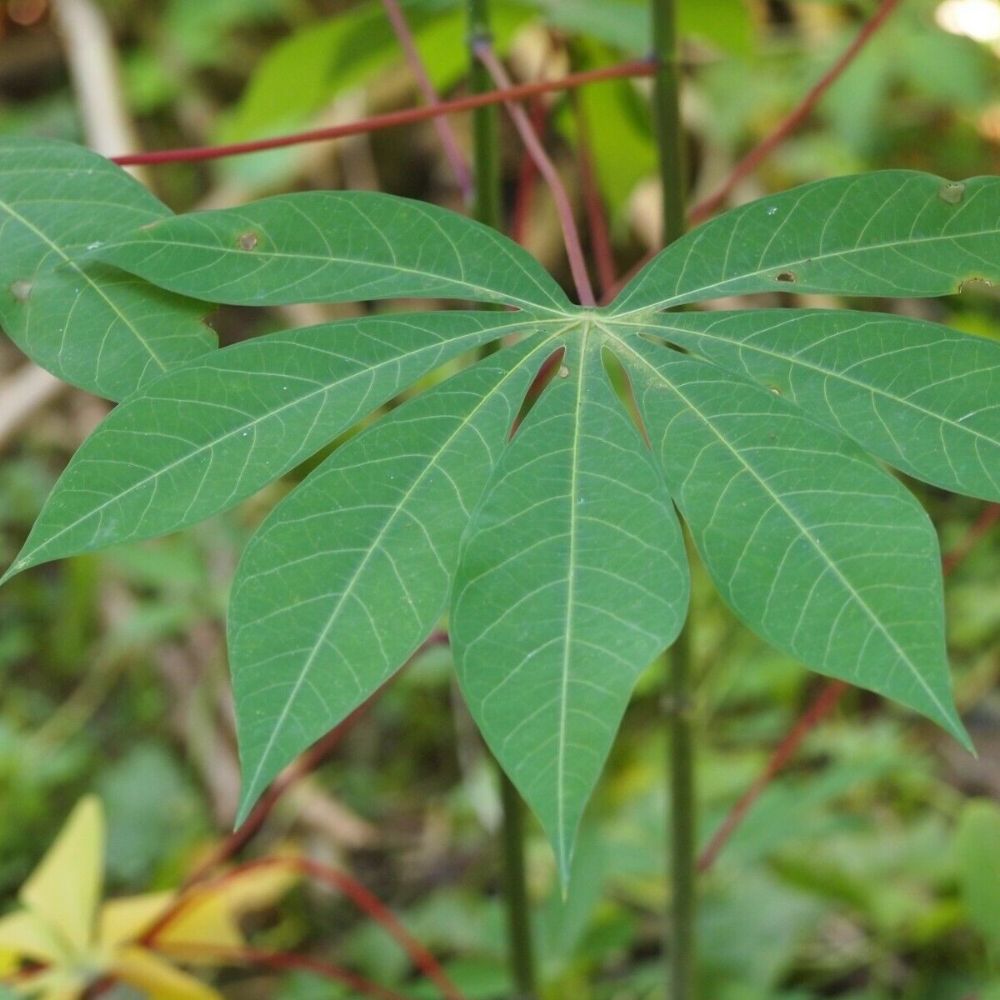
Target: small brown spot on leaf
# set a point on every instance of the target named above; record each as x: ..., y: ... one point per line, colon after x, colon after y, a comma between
x: 952, y: 193
x: 21, y: 290
x: 786, y: 276
x: 974, y: 280
x: 247, y: 241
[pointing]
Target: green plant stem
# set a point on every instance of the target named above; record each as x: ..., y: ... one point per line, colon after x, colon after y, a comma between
x: 522, y: 959
x: 487, y: 207
x: 680, y: 936
x: 485, y: 121
x: 680, y: 943
x: 667, y: 118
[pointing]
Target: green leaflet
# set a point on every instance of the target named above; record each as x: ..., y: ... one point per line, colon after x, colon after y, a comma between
x: 206, y: 436
x: 92, y: 326
x: 891, y: 232
x: 919, y: 395
x: 335, y: 246
x: 815, y: 547
x: 352, y: 570
x: 572, y: 578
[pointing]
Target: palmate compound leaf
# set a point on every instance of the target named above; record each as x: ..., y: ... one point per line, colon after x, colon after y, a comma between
x: 91, y: 325
x: 352, y: 570
x: 572, y: 579
x: 207, y: 435
x: 817, y: 549
x: 335, y: 246
x: 891, y: 233
x: 921, y: 396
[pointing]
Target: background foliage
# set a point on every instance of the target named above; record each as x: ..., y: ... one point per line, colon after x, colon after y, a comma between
x: 866, y: 856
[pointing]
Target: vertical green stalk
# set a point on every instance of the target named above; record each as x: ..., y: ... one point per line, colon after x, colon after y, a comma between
x: 486, y: 165
x: 680, y: 937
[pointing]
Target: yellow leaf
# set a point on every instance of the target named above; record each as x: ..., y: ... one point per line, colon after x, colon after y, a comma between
x: 157, y: 978
x: 66, y: 885
x: 26, y: 935
x: 209, y: 916
x: 127, y: 919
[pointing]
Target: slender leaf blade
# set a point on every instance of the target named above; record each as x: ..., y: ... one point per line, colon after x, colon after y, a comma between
x: 891, y: 232
x: 815, y: 547
x: 352, y: 570
x: 204, y: 437
x: 572, y: 578
x: 923, y: 397
x: 89, y: 324
x: 335, y: 246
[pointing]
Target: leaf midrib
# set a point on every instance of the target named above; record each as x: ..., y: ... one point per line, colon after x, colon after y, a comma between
x: 492, y: 294
x: 662, y: 323
x: 246, y: 428
x: 816, y: 544
x: 6, y: 206
x: 251, y: 784
x: 693, y: 294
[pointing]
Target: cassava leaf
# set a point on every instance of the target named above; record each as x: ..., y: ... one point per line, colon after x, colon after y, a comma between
x: 572, y: 578
x: 335, y: 246
x: 820, y: 551
x: 352, y: 570
x: 207, y: 435
x: 921, y: 396
x: 91, y: 325
x: 891, y: 232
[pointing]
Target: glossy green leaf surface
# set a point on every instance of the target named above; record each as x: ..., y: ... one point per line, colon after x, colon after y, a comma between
x: 208, y: 435
x: 814, y: 546
x: 918, y: 395
x: 335, y: 246
x: 558, y: 543
x: 890, y: 233
x: 350, y: 572
x: 91, y: 325
x: 572, y: 579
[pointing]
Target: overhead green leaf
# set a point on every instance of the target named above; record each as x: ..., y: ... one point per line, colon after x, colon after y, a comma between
x: 819, y: 550
x: 892, y: 232
x: 352, y: 570
x: 207, y: 435
x: 572, y: 578
x: 87, y: 323
x: 921, y: 396
x: 335, y: 246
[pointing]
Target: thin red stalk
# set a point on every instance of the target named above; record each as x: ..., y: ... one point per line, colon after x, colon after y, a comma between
x: 636, y: 67
x: 361, y: 897
x: 795, y: 118
x: 792, y: 121
x: 824, y: 703
x: 286, y: 960
x: 989, y: 516
x: 571, y: 237
x: 449, y: 141
x: 597, y: 220
x: 306, y: 763
x: 524, y: 200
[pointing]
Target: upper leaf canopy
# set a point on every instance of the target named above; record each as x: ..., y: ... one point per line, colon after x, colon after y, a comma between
x: 92, y: 325
x: 891, y: 232
x: 335, y: 246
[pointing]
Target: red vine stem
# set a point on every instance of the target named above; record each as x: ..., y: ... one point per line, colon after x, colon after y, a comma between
x: 795, y: 118
x: 825, y: 702
x: 346, y: 884
x: 446, y: 135
x: 636, y: 67
x: 524, y: 200
x: 571, y: 236
x: 792, y: 121
x: 600, y: 239
x: 285, y: 960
